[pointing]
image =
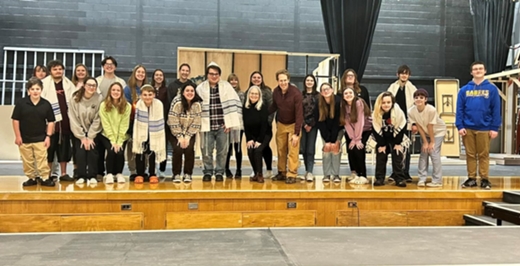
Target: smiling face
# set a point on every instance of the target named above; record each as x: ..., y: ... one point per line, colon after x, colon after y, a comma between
x: 256, y: 79
x: 233, y: 82
x: 90, y: 87
x: 158, y: 77
x: 147, y: 97
x: 57, y: 72
x: 348, y: 95
x: 40, y: 73
x: 309, y: 82
x: 478, y: 71
x: 189, y: 93
x: 81, y: 72
x: 386, y: 103
x: 109, y: 67
x: 403, y: 77
x: 115, y: 92
x: 213, y: 76
x: 140, y: 74
x: 283, y: 82
x: 254, y: 95
x: 184, y: 73
x: 420, y: 101
x: 326, y: 91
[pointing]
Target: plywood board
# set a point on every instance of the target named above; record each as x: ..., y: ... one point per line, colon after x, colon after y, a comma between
x: 196, y: 219
x: 9, y: 150
x: 279, y: 218
x: 102, y: 222
x: 383, y: 218
x: 270, y: 64
x: 244, y: 65
x: 224, y: 60
x: 446, y: 91
x: 438, y: 217
x: 17, y: 223
x: 195, y: 59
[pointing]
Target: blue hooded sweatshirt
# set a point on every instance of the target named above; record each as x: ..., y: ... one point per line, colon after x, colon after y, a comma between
x: 478, y: 107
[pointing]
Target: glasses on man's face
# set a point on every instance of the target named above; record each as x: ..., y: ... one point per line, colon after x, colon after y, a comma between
x: 90, y: 85
x: 477, y: 68
x: 109, y: 64
x: 212, y: 74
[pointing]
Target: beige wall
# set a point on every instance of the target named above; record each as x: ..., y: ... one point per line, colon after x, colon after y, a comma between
x: 8, y: 150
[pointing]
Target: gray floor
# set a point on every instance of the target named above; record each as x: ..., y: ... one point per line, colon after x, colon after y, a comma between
x: 321, y: 246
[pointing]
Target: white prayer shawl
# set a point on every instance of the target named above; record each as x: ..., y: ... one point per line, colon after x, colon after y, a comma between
x: 149, y: 122
x: 399, y: 122
x: 49, y: 94
x: 409, y: 90
x: 231, y: 106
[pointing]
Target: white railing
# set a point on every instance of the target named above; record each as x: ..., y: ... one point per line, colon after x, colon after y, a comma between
x: 19, y: 63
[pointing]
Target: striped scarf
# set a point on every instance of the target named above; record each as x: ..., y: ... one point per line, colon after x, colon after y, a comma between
x: 149, y: 125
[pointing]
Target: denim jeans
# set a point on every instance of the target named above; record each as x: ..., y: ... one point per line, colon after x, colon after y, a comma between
x: 308, y: 148
x: 219, y: 140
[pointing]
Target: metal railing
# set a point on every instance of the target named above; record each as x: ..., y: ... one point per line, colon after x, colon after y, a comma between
x: 19, y: 63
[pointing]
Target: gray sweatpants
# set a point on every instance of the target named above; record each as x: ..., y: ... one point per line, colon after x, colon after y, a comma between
x: 435, y: 156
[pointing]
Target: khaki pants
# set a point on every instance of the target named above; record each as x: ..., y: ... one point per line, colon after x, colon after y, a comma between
x: 283, y: 141
x: 34, y: 158
x: 477, y: 149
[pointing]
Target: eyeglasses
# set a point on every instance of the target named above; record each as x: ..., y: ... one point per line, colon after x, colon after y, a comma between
x: 90, y: 85
x: 326, y: 89
x: 109, y: 64
x: 212, y: 74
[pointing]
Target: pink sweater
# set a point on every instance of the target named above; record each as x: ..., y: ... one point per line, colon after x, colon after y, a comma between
x: 355, y: 130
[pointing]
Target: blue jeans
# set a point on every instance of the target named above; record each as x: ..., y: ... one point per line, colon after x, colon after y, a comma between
x: 308, y: 148
x: 219, y: 140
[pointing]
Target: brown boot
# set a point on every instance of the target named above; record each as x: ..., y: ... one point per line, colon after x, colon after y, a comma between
x: 260, y: 178
x: 254, y: 178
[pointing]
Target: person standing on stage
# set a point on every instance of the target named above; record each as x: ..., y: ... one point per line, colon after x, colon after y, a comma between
x: 33, y: 124
x: 233, y: 80
x: 478, y: 120
x: 310, y: 131
x: 287, y: 101
x: 221, y: 113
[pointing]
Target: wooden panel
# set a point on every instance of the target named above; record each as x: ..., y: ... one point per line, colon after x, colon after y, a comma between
x: 244, y: 65
x: 195, y: 219
x: 383, y: 218
x: 446, y: 91
x: 279, y: 219
x: 102, y: 222
x: 270, y: 64
x: 224, y: 60
x: 195, y: 59
x: 9, y: 150
x: 17, y: 223
x: 438, y: 217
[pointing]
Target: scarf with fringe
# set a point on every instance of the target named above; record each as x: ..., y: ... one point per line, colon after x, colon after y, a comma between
x: 398, y: 120
x: 149, y: 123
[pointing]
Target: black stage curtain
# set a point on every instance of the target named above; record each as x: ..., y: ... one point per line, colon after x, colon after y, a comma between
x: 492, y: 30
x: 350, y: 25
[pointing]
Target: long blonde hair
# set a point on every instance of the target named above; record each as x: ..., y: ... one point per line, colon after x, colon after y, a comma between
x: 377, y: 115
x: 259, y: 103
x: 132, y: 82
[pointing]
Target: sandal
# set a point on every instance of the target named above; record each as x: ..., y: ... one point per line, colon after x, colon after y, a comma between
x: 138, y: 180
x: 154, y: 179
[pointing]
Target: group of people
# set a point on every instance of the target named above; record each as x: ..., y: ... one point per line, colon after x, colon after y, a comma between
x: 95, y: 121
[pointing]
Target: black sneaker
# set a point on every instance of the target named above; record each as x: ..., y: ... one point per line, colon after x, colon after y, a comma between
x: 336, y: 179
x: 219, y: 177
x: 401, y: 183
x: 379, y: 182
x: 326, y: 178
x: 66, y: 178
x: 470, y: 182
x: 206, y: 178
x: 47, y: 183
x: 229, y: 174
x: 408, y: 179
x: 238, y: 174
x: 485, y: 184
x: 132, y: 177
x: 30, y: 182
x: 279, y: 177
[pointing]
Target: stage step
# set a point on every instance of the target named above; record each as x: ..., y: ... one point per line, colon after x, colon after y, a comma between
x: 483, y: 220
x: 511, y: 197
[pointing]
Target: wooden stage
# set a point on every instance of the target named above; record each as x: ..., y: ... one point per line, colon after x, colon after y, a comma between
x: 236, y: 203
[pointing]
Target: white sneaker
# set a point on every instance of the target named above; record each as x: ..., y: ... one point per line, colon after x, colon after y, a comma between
x: 252, y: 174
x: 162, y: 174
x: 80, y: 181
x: 93, y: 181
x: 432, y: 184
x: 120, y: 178
x: 176, y: 179
x: 421, y: 183
x: 268, y: 174
x: 354, y: 180
x: 309, y: 177
x: 352, y: 176
x: 187, y: 178
x: 304, y: 177
x: 109, y: 179
x: 361, y: 180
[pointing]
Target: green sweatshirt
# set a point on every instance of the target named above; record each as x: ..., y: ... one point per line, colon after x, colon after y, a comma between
x: 115, y: 124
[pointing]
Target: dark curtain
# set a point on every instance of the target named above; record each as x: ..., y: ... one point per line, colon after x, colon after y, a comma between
x: 350, y: 25
x: 492, y: 30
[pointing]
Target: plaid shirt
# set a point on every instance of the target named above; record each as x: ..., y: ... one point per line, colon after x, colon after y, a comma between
x: 216, y: 114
